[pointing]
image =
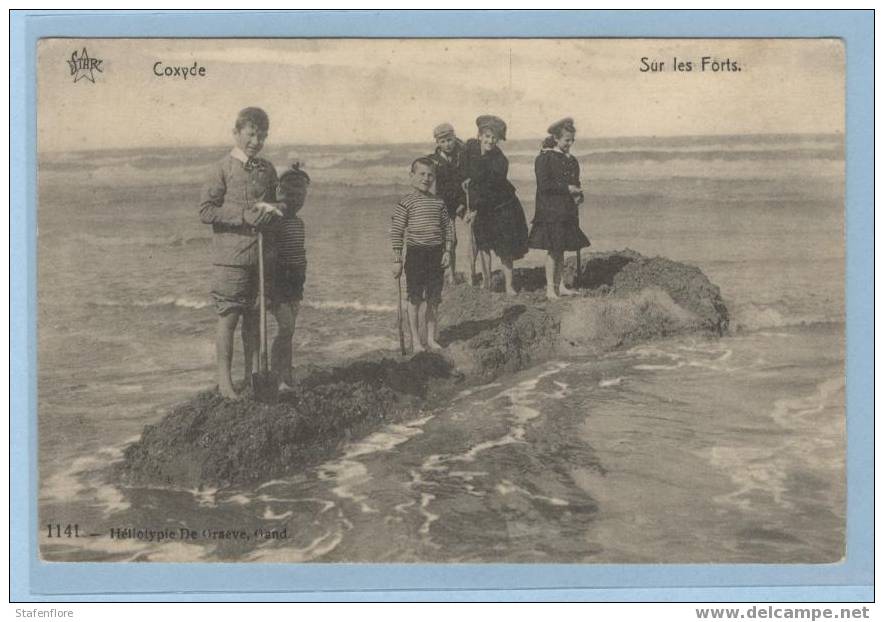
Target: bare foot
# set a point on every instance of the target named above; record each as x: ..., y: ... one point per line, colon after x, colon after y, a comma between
x: 564, y: 291
x: 228, y: 393
x: 511, y: 292
x: 433, y: 345
x: 417, y: 348
x: 551, y: 294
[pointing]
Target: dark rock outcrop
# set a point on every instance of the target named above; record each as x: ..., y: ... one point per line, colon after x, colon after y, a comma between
x: 625, y: 298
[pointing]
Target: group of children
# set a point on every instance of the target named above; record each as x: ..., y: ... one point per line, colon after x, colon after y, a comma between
x: 244, y: 196
x: 469, y: 181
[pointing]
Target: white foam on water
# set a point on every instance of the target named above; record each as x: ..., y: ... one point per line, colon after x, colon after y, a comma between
x: 649, y: 367
x: 270, y: 515
x: 726, y: 355
x: 701, y: 355
x: 507, y: 439
x: 319, y: 546
x: 348, y: 473
x: 653, y: 352
x: 275, y: 482
x: 182, y: 302
x: 238, y: 499
x: 467, y: 476
x: 562, y: 392
x: 790, y: 413
x: 522, y: 411
x: 402, y: 508
x: 763, y: 470
x: 755, y: 317
x: 506, y: 487
x: 74, y: 485
x: 387, y: 438
x: 753, y: 470
x: 349, y: 305
x: 325, y: 504
x: 474, y: 390
x: 610, y: 382
x: 326, y: 160
x: 429, y: 517
x: 204, y: 497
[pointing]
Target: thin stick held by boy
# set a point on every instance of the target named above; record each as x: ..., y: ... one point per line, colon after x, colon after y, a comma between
x: 422, y: 226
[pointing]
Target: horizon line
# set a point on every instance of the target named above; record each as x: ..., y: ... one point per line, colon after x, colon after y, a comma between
x: 365, y: 144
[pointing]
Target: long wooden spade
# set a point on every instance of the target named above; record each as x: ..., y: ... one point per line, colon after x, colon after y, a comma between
x: 264, y: 382
x: 399, y: 317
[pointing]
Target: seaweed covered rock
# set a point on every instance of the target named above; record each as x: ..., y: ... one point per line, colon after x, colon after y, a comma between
x: 624, y: 298
x: 686, y: 285
x: 212, y: 440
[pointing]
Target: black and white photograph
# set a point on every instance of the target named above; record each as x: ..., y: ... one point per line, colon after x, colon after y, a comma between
x: 447, y: 301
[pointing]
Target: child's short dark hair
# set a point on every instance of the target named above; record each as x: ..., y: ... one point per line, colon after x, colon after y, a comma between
x: 294, y: 177
x: 253, y: 116
x: 425, y: 162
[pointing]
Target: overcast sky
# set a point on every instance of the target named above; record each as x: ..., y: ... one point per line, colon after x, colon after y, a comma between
x: 393, y: 90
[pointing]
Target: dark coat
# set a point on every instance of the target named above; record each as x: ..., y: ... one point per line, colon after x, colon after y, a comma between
x: 499, y: 224
x: 555, y: 171
x: 449, y: 178
x: 487, y: 173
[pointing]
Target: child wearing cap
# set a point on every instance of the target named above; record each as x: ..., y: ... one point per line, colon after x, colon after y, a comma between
x: 498, y: 218
x: 448, y: 158
x: 421, y: 224
x: 238, y: 199
x: 556, y: 225
x: 289, y: 270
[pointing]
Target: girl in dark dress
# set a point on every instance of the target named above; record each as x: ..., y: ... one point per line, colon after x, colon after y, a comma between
x: 556, y: 226
x: 495, y: 213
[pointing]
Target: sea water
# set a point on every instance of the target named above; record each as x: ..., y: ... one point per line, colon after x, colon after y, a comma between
x: 689, y: 449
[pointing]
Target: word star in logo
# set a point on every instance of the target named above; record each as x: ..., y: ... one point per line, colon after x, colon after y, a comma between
x: 83, y: 67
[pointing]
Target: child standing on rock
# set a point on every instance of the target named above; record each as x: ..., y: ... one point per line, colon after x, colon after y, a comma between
x: 237, y: 201
x: 448, y: 159
x: 289, y: 270
x: 494, y: 209
x: 556, y: 226
x: 421, y: 224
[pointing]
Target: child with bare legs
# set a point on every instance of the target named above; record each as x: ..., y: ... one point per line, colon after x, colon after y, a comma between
x: 421, y: 224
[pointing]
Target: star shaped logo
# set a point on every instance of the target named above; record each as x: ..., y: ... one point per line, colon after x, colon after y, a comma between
x: 82, y: 66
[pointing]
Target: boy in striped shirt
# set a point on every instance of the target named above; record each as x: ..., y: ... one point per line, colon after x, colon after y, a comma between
x: 289, y: 270
x: 422, y: 223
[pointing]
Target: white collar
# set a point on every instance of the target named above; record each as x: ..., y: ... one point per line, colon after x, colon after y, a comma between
x: 238, y: 154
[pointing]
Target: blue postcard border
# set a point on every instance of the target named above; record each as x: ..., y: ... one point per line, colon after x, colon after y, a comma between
x: 850, y: 580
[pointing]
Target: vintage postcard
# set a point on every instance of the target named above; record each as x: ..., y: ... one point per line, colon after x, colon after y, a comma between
x: 684, y: 402
x: 441, y: 301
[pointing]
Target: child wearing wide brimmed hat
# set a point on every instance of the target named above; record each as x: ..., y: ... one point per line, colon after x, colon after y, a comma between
x: 495, y: 211
x: 556, y: 225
